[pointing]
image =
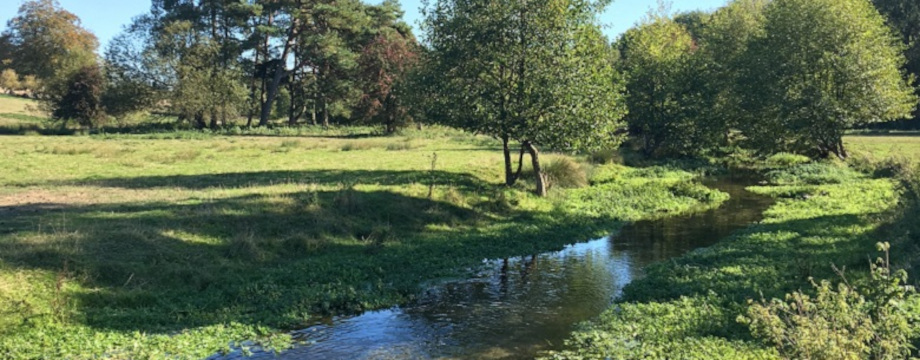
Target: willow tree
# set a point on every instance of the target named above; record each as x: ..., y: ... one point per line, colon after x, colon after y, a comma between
x: 822, y: 67
x: 537, y: 72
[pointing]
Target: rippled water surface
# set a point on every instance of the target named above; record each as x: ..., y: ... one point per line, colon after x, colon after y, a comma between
x: 520, y: 306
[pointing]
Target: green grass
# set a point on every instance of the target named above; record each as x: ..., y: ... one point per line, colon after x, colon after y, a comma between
x: 826, y: 214
x: 882, y: 146
x: 139, y: 246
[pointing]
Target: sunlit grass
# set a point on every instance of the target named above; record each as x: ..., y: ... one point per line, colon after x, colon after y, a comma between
x: 135, y: 246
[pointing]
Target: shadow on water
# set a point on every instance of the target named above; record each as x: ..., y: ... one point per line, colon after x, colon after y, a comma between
x: 518, y: 307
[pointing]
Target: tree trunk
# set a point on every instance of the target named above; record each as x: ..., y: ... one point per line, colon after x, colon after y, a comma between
x: 509, y: 176
x: 280, y: 71
x: 199, y: 120
x: 539, y: 177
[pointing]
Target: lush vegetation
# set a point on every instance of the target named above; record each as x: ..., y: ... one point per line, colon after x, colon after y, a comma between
x: 135, y: 246
x: 217, y: 200
x: 828, y: 218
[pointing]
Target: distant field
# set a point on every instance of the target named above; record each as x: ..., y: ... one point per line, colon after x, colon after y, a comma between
x: 16, y: 111
x: 900, y: 144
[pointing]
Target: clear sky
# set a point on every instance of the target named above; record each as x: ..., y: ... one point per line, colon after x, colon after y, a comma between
x: 106, y: 17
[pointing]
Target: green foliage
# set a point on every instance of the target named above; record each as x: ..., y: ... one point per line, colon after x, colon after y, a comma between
x: 79, y: 98
x: 786, y: 160
x: 538, y: 72
x: 564, y: 172
x: 181, y: 244
x: 687, y: 308
x: 9, y: 80
x: 667, y: 109
x: 820, y: 68
x: 904, y: 15
x: 813, y: 174
x: 630, y: 331
x: 47, y: 41
x: 878, y: 321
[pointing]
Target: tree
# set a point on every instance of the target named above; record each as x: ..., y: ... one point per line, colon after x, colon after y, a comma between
x: 9, y: 80
x: 822, y: 67
x: 48, y: 41
x: 666, y: 87
x: 384, y: 64
x: 723, y: 43
x: 202, y: 88
x: 81, y: 99
x: 904, y: 15
x: 534, y: 71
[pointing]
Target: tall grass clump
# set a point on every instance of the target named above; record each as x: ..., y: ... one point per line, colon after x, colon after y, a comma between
x: 565, y: 173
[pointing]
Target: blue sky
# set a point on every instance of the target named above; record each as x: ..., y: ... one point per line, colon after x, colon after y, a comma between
x: 106, y: 17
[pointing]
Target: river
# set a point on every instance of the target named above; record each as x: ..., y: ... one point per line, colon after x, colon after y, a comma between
x: 515, y: 308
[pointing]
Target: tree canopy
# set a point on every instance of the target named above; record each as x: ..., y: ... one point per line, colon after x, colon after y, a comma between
x: 45, y: 40
x: 536, y: 72
x: 820, y: 68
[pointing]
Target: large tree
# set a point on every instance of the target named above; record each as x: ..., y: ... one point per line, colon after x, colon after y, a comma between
x: 534, y: 71
x: 822, y: 67
x: 384, y: 65
x: 904, y: 15
x: 665, y: 88
x: 48, y: 41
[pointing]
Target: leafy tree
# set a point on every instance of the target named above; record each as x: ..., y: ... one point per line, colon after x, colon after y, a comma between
x: 48, y: 41
x: 81, y: 98
x: 665, y: 87
x: 384, y: 64
x: 904, y: 15
x: 822, y: 67
x: 201, y: 89
x: 535, y: 71
x: 9, y: 80
x: 693, y: 21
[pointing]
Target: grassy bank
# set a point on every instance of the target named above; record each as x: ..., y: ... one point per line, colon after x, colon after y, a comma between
x: 148, y: 246
x: 826, y: 215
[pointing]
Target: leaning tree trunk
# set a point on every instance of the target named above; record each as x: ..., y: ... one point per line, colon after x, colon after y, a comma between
x: 539, y: 176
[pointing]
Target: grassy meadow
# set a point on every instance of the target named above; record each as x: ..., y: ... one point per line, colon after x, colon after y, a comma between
x: 178, y: 245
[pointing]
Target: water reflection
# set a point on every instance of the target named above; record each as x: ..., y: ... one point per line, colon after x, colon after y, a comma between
x: 517, y: 307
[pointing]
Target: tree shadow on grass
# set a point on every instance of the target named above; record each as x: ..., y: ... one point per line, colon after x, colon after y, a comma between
x: 461, y: 181
x: 258, y: 259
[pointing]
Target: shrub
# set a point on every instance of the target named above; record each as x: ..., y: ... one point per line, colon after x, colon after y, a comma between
x: 604, y: 157
x: 786, y: 160
x: 812, y: 174
x: 563, y: 172
x: 877, y: 322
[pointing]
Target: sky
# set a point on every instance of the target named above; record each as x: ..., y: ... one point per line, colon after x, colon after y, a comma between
x: 105, y: 18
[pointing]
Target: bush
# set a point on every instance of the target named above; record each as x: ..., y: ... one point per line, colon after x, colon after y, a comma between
x: 605, y: 157
x: 812, y: 174
x: 786, y: 160
x: 877, y: 322
x: 563, y: 172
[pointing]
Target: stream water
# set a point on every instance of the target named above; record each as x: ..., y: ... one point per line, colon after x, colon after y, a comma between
x: 515, y: 308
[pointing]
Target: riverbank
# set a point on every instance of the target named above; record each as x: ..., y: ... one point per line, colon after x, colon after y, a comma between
x: 145, y: 247
x: 826, y: 215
